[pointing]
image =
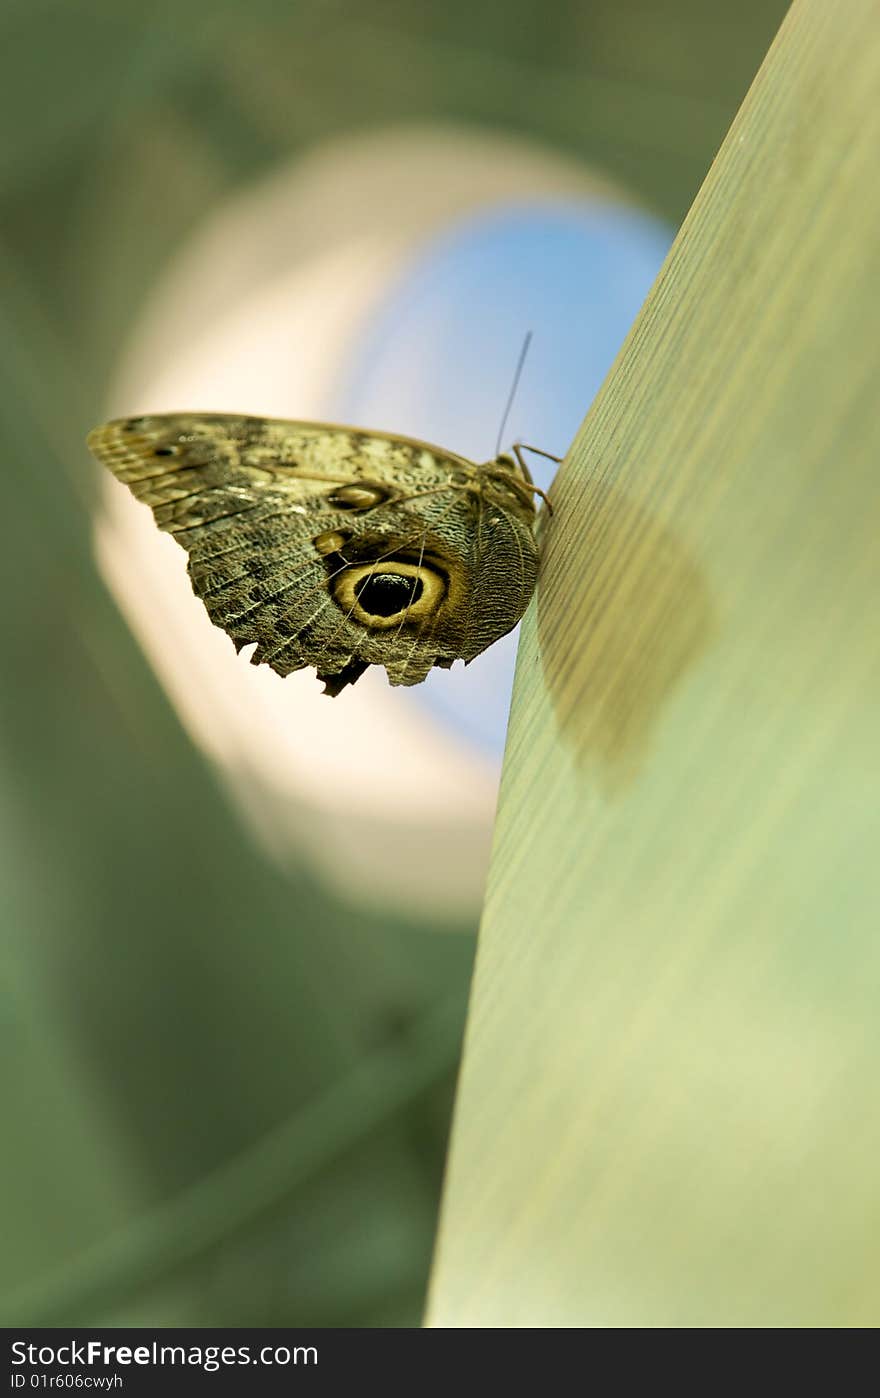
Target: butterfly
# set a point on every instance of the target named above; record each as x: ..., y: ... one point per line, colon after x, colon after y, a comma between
x: 336, y: 547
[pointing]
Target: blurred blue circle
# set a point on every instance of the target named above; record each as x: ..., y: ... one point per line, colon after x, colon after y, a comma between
x: 436, y: 360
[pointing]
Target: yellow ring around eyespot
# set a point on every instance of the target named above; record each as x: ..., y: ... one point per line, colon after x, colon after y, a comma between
x: 432, y: 595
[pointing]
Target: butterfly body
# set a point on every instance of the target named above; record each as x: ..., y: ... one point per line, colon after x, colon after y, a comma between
x: 331, y: 546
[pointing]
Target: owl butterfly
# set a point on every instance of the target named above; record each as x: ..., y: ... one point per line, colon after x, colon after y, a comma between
x: 334, y: 547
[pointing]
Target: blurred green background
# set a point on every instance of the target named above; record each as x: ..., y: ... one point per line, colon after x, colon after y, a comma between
x: 226, y: 1095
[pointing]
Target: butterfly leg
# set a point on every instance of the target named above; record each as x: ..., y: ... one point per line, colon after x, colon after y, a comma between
x: 518, y: 449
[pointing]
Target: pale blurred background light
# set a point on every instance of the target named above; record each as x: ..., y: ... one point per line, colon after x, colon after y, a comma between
x: 408, y: 320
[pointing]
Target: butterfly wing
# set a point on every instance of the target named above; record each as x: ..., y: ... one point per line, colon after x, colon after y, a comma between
x: 329, y: 546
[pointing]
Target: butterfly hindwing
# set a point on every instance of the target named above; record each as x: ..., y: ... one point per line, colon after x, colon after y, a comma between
x: 329, y: 546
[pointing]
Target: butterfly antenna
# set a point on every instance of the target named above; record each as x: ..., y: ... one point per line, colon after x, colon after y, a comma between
x: 513, y: 387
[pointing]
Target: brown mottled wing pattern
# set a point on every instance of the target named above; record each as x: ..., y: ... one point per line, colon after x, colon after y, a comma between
x: 329, y: 546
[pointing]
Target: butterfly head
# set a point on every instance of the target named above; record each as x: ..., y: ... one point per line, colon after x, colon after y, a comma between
x: 510, y: 473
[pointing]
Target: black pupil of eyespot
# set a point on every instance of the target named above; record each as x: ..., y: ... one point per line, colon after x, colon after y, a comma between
x: 383, y: 594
